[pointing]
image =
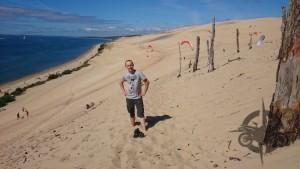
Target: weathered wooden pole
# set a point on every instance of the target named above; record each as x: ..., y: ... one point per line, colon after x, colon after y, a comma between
x: 250, y: 43
x: 211, y: 49
x: 179, y: 72
x: 237, y: 41
x: 207, y: 43
x: 195, y: 65
x: 284, y: 116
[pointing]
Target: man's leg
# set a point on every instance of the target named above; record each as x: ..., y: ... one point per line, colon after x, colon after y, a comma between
x: 143, y: 122
x: 132, y: 121
x: 130, y: 109
x: 140, y: 112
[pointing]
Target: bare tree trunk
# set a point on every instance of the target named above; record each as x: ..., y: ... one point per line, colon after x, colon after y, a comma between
x: 179, y: 72
x: 284, y: 117
x: 250, y: 43
x: 283, y: 25
x: 195, y: 65
x: 283, y: 21
x: 207, y: 43
x: 211, y: 50
x: 237, y: 41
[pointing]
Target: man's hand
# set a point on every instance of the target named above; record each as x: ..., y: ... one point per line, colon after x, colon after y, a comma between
x: 146, y: 81
x: 121, y: 83
x: 143, y: 94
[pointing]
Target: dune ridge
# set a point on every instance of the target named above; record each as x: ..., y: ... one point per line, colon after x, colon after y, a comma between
x: 192, y: 119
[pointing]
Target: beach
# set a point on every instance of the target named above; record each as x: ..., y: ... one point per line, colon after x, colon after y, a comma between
x: 43, y: 75
x: 193, y: 120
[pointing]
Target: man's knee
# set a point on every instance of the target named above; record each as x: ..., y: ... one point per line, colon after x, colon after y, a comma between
x: 131, y: 114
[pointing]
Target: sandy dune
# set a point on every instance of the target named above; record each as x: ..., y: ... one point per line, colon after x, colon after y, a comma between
x: 193, y: 120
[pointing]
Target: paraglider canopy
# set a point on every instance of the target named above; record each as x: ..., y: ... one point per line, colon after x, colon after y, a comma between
x: 254, y: 33
x: 187, y: 42
x: 261, y: 40
x: 150, y: 48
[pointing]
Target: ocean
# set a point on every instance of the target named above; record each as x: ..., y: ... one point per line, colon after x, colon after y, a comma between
x: 21, y: 56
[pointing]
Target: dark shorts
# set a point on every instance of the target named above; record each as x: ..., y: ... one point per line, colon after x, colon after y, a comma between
x: 139, y: 107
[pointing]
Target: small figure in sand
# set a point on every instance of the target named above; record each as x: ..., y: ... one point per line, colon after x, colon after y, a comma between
x: 134, y: 94
x: 25, y: 110
x: 18, y: 115
x: 90, y: 105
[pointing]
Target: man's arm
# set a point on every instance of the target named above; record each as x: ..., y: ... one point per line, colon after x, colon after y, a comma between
x: 121, y: 83
x: 146, y: 81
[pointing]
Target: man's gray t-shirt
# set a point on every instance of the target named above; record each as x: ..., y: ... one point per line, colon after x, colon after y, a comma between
x: 134, y: 81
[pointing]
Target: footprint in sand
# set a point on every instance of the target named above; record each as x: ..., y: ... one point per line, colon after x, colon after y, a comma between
x: 91, y: 155
x: 86, y: 138
x: 74, y: 147
x: 65, y: 157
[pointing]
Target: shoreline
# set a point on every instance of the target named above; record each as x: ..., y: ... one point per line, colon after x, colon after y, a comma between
x: 43, y: 75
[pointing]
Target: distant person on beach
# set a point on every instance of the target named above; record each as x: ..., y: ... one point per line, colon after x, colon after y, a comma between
x: 26, y: 111
x: 134, y: 94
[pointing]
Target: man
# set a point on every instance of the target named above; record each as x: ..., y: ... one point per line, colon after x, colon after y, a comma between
x: 134, y: 94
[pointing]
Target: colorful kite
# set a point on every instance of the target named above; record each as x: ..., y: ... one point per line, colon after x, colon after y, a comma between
x: 261, y: 40
x: 187, y: 42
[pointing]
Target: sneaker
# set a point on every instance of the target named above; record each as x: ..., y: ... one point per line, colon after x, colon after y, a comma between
x: 138, y: 133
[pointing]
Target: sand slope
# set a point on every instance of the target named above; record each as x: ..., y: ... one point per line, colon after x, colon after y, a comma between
x: 191, y: 119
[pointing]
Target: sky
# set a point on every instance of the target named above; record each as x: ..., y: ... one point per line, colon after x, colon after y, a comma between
x: 124, y: 17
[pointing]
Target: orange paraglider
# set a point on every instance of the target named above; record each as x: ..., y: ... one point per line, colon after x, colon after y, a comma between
x: 149, y: 47
x: 187, y: 42
x: 254, y: 33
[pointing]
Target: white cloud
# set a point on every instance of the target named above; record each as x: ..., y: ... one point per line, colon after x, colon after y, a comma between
x: 90, y: 29
x: 14, y: 14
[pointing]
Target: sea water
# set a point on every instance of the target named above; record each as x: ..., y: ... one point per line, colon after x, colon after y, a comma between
x: 21, y: 56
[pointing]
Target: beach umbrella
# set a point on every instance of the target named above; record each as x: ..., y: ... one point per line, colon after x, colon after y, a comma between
x: 261, y: 40
x: 187, y: 42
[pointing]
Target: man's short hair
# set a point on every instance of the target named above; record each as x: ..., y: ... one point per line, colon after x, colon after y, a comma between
x: 129, y: 61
